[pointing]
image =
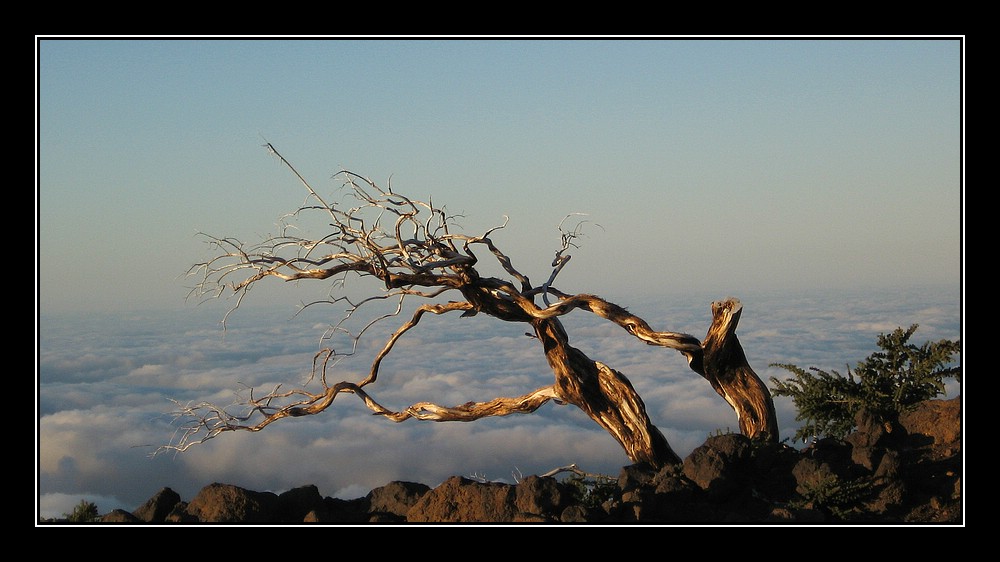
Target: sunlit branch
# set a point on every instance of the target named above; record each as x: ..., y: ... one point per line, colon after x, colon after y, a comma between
x: 409, y: 249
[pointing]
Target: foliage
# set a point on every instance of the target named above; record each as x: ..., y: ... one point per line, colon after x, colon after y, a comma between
x: 592, y: 492
x: 888, y: 382
x: 84, y: 512
x: 835, y: 496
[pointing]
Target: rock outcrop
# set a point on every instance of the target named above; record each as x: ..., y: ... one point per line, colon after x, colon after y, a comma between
x: 908, y: 472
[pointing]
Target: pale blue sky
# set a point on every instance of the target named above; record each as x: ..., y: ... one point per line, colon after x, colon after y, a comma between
x: 723, y: 165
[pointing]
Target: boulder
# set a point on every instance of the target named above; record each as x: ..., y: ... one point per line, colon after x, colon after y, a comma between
x: 293, y: 505
x: 225, y: 503
x: 157, y: 508
x: 461, y: 500
x: 395, y: 499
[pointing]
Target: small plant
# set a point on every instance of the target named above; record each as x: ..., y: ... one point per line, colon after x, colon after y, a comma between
x: 887, y: 383
x: 719, y: 432
x: 84, y: 512
x: 835, y: 496
x: 592, y: 492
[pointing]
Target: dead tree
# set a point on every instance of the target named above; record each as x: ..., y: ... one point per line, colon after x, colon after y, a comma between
x: 410, y: 248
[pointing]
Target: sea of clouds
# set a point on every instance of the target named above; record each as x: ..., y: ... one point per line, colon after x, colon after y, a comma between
x: 106, y: 383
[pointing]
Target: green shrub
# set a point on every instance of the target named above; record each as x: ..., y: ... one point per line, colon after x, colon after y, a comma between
x: 886, y: 383
x: 834, y: 496
x: 84, y: 512
x: 591, y: 491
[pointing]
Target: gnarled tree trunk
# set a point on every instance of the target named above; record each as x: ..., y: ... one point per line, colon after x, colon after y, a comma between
x: 605, y: 395
x: 724, y: 364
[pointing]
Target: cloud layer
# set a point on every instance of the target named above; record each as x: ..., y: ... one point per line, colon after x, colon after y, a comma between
x: 105, y: 385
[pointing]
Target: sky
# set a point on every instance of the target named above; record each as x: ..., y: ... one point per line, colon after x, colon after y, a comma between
x: 705, y: 167
x: 793, y: 162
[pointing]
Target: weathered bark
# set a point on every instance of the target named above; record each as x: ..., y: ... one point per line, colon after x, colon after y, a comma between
x: 724, y: 364
x: 605, y: 395
x: 719, y: 358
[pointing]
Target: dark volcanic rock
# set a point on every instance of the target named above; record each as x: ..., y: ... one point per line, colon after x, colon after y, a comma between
x: 538, y: 498
x: 718, y: 466
x: 935, y: 426
x: 461, y: 500
x: 295, y: 504
x: 156, y: 508
x: 390, y: 503
x: 225, y: 503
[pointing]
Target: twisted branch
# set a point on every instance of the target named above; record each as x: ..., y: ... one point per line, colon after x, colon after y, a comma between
x: 409, y: 248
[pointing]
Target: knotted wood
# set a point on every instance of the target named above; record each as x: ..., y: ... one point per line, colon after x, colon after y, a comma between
x: 724, y: 364
x: 605, y: 395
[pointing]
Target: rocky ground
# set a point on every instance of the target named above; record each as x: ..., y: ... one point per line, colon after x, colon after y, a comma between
x: 904, y: 473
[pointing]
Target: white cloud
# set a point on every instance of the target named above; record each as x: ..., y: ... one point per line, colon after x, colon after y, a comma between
x: 96, y: 432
